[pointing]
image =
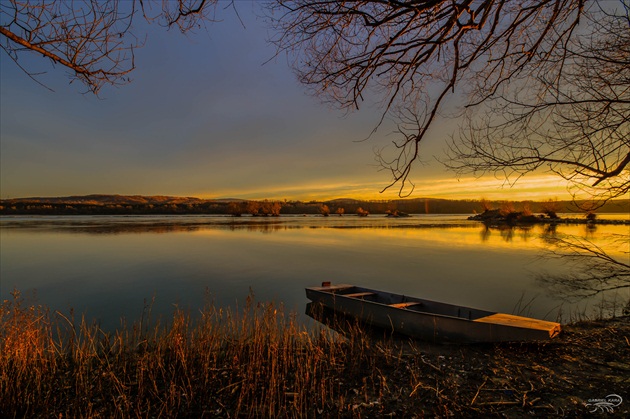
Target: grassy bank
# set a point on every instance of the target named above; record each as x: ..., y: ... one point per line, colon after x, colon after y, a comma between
x: 258, y: 362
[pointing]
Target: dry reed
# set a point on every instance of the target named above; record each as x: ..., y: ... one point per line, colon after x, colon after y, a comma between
x: 258, y: 362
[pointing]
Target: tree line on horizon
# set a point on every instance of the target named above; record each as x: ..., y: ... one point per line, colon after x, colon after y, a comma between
x: 270, y: 208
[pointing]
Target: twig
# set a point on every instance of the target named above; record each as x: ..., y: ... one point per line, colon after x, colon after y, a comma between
x: 421, y: 385
x: 478, y: 390
x: 230, y: 386
x: 506, y: 403
x: 430, y: 364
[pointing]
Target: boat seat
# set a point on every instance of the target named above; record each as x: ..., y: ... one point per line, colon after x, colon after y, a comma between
x: 359, y: 294
x: 335, y: 288
x: 407, y: 304
x: 525, y: 322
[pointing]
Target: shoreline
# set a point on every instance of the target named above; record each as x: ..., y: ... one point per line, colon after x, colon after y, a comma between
x: 165, y: 205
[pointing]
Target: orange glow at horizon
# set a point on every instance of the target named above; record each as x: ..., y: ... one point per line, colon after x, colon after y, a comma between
x: 539, y: 188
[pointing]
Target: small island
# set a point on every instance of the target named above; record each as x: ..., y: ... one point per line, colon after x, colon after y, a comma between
x: 496, y: 217
x: 548, y: 214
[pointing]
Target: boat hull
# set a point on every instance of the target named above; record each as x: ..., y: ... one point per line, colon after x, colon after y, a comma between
x: 429, y: 320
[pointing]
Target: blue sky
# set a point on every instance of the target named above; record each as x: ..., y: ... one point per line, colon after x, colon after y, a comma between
x: 204, y: 117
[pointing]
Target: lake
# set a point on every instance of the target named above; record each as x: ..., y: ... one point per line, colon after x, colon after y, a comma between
x: 109, y: 267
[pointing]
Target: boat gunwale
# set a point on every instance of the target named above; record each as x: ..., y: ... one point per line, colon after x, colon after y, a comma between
x: 403, y: 296
x: 553, y: 328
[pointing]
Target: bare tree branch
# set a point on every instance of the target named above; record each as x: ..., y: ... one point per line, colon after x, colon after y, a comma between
x: 405, y: 52
x: 92, y: 38
x: 574, y: 122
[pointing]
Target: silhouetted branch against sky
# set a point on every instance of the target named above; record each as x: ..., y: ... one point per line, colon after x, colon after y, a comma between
x: 407, y: 52
x: 572, y: 117
x: 94, y: 39
x: 539, y: 85
x: 524, y: 71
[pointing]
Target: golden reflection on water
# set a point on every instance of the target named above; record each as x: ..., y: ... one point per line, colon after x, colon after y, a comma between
x: 474, y: 235
x: 110, y: 266
x: 438, y: 232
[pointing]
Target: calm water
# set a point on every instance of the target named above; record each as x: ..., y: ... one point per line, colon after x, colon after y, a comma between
x: 107, y: 267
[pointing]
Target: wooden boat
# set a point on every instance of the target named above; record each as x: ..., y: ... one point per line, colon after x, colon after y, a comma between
x: 429, y: 320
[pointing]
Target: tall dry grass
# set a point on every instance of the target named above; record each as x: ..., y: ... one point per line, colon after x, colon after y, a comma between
x: 259, y: 362
x: 254, y: 362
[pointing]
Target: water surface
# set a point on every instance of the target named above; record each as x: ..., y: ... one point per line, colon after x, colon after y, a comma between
x: 108, y: 267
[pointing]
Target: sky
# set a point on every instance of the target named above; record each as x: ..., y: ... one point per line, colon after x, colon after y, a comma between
x: 210, y: 115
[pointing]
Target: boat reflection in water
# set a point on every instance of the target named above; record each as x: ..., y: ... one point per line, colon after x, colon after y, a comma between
x: 425, y: 319
x: 347, y: 326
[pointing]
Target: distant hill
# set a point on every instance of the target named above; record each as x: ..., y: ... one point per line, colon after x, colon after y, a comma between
x: 97, y: 199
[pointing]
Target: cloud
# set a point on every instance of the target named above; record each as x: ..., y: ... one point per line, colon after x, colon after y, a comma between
x: 534, y: 188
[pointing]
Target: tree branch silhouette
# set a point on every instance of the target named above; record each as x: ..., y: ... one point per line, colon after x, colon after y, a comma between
x: 404, y: 53
x: 94, y: 39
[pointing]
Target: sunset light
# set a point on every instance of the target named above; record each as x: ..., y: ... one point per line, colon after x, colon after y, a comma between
x: 314, y: 209
x: 255, y: 135
x: 529, y: 188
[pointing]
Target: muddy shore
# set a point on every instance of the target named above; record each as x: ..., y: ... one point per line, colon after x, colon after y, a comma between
x: 566, y: 377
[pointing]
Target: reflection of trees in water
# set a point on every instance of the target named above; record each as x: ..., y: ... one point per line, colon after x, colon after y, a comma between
x: 550, y: 233
x: 115, y: 229
x: 526, y: 232
x: 159, y: 229
x: 591, y: 270
x: 507, y: 232
x: 485, y: 233
x: 263, y: 228
x: 589, y: 230
x: 264, y: 225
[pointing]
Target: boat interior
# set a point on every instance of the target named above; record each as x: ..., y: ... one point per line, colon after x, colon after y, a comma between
x: 405, y: 302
